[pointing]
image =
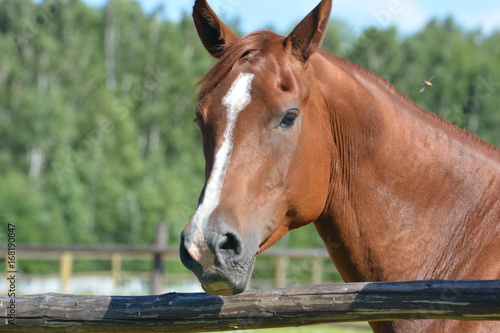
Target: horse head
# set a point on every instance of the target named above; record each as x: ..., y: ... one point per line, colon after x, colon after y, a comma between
x: 267, y: 160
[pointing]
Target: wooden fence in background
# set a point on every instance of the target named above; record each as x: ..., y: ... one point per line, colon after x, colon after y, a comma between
x: 159, y: 253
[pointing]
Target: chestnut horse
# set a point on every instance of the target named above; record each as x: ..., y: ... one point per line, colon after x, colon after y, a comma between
x: 294, y: 135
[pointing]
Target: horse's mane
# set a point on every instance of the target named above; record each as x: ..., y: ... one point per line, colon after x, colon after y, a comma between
x: 233, y: 53
x: 406, y: 100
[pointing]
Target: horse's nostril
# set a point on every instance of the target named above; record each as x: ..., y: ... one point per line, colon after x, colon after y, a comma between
x: 186, y: 258
x: 230, y: 245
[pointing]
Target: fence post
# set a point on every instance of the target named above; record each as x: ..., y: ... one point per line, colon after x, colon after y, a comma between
x: 317, y: 271
x: 158, y: 264
x: 65, y: 269
x: 116, y: 271
x: 280, y: 272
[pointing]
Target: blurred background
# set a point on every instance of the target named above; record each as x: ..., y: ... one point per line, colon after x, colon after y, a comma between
x: 98, y: 145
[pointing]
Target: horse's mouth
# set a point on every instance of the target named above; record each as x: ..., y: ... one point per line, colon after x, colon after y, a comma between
x: 222, y: 289
x: 224, y: 282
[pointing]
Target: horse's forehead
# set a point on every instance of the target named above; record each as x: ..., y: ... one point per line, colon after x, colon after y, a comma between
x: 262, y: 79
x: 236, y: 91
x: 267, y: 73
x: 239, y: 94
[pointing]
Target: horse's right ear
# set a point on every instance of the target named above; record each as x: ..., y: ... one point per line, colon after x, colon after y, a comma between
x: 214, y: 34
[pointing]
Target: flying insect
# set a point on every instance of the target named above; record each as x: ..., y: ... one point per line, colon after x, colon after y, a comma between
x: 427, y: 83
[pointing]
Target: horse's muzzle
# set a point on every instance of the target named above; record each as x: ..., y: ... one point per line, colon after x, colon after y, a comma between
x: 221, y: 261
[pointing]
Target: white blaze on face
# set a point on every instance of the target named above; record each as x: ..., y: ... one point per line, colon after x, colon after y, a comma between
x: 236, y: 99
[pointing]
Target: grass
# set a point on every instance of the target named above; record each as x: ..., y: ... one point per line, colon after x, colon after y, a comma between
x: 312, y: 329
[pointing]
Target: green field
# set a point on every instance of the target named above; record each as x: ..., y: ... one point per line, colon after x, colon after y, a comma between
x: 314, y: 329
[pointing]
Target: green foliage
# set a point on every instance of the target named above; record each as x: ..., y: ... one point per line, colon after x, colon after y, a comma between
x: 97, y: 143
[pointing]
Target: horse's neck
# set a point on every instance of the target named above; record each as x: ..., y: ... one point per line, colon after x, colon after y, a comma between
x: 408, y: 195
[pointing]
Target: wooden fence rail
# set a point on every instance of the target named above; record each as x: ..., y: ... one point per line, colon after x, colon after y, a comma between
x: 174, y: 312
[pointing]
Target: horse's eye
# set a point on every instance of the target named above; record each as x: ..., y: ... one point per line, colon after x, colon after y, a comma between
x: 198, y: 121
x: 289, y: 119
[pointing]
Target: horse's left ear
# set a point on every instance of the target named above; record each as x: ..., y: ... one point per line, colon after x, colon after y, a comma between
x: 214, y: 34
x: 308, y: 34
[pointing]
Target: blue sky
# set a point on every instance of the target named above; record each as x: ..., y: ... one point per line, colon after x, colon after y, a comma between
x: 407, y: 15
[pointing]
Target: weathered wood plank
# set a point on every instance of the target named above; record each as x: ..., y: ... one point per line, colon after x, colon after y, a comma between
x: 174, y: 312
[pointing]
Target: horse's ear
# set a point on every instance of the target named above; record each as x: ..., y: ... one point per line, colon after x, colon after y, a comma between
x: 308, y: 34
x: 214, y: 34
